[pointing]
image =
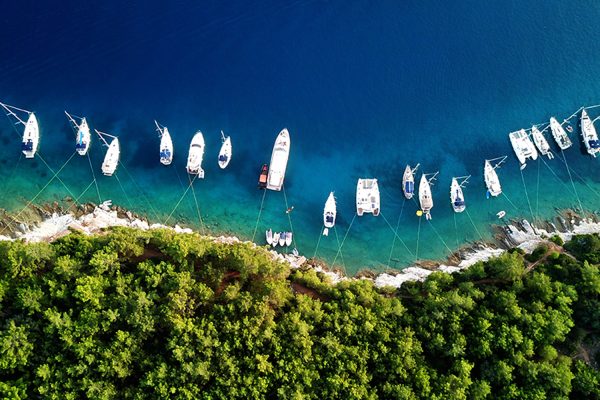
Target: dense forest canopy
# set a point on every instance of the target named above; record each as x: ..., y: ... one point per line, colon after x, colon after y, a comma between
x: 133, y: 314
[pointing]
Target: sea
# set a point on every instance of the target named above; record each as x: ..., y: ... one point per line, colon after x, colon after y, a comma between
x: 364, y: 88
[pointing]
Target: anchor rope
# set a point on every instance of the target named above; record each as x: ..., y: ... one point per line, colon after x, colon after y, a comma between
x: 197, y: 207
x: 439, y: 236
x: 418, y: 238
x: 341, y: 254
x: 94, y: 175
x: 571, y: 170
x: 124, y: 191
x: 473, y: 223
x: 140, y: 190
x: 526, y: 194
x: 343, y: 240
x: 259, y: 214
x: 287, y: 207
x: 513, y: 204
x: 456, y: 231
x: 318, y: 242
x: 180, y: 200
x: 396, y: 232
x: 537, y: 192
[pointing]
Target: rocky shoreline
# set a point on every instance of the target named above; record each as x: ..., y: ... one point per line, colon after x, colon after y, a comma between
x: 51, y: 221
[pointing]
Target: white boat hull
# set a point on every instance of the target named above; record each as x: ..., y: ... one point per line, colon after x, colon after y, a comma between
x: 288, y: 239
x: 279, y: 160
x: 425, y: 199
x: 84, y: 138
x: 111, y: 159
x: 225, y: 153
x: 541, y: 143
x: 491, y: 179
x: 166, y: 147
x: 589, y: 134
x: 408, y: 182
x: 329, y: 213
x: 457, y: 198
x: 367, y: 197
x: 31, y: 136
x: 195, y: 155
x: 560, y: 136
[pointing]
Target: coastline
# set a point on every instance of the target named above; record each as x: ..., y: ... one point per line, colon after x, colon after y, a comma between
x: 50, y: 222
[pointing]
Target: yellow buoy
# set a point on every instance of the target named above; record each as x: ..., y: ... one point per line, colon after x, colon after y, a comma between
x: 419, y: 213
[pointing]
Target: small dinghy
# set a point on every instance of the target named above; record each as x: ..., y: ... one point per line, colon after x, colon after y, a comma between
x: 492, y: 182
x: 589, y: 135
x: 329, y: 214
x: 522, y: 146
x: 84, y: 137
x: 262, y: 178
x: 457, y: 199
x: 275, y: 239
x: 194, y: 162
x: 408, y: 181
x: 559, y: 134
x: 541, y: 143
x: 225, y: 152
x: 501, y: 214
x: 367, y: 197
x: 31, y: 132
x: 111, y: 159
x: 288, y: 239
x: 425, y: 198
x: 166, y: 144
x: 282, y: 237
x: 269, y: 235
x: 279, y: 160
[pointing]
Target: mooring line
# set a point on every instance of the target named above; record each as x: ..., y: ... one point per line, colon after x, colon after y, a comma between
x: 343, y: 240
x: 396, y: 231
x: 527, y: 196
x: 395, y: 234
x: 259, y: 214
x: 180, y: 200
x: 197, y: 207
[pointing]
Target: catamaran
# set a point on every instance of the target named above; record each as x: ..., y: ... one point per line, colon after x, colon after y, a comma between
x: 589, y: 135
x: 522, y: 146
x: 225, y: 152
x: 367, y: 197
x: 559, y: 134
x: 194, y: 162
x: 408, y: 181
x: 31, y: 133
x: 84, y: 137
x: 111, y: 159
x: 425, y: 198
x: 279, y: 159
x: 491, y: 177
x: 457, y: 198
x: 166, y: 144
x: 329, y: 214
x: 541, y: 143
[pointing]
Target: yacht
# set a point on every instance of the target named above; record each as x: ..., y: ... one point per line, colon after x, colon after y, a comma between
x: 541, y: 143
x: 84, y: 137
x: 31, y: 132
x: 589, y: 135
x: 522, y: 146
x: 111, y: 159
x: 559, y: 134
x: 279, y: 159
x: 367, y: 197
x: 457, y: 198
x: 196, y: 153
x: 425, y: 199
x: 408, y: 181
x: 329, y: 214
x: 225, y: 152
x: 491, y: 177
x: 166, y: 144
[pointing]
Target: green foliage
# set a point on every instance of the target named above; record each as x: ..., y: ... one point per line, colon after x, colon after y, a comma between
x: 156, y: 314
x: 557, y: 240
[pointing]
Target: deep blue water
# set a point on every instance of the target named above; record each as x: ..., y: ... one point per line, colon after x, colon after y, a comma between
x: 363, y: 87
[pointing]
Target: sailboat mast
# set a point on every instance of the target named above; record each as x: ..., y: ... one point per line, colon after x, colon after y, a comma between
x: 11, y: 112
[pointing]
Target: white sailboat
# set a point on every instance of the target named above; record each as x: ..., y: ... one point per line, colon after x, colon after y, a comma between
x: 31, y: 132
x: 166, y: 144
x: 541, y: 143
x: 559, y: 134
x: 279, y: 159
x: 329, y: 214
x: 196, y: 153
x: 589, y: 135
x: 425, y: 198
x: 408, y: 181
x: 492, y: 182
x: 225, y: 152
x: 522, y: 146
x: 367, y: 197
x: 84, y: 137
x: 288, y: 239
x: 111, y: 159
x: 457, y: 198
x: 269, y: 235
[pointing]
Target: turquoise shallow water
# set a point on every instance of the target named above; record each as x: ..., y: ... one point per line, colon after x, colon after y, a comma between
x: 363, y: 89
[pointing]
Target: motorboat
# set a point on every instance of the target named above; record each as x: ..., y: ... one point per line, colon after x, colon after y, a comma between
x: 367, y: 197
x: 282, y: 237
x: 589, y: 135
x: 31, y: 133
x: 457, y: 198
x: 269, y: 235
x: 522, y: 146
x: 225, y: 152
x: 166, y: 144
x: 262, y: 178
x: 425, y: 198
x: 540, y: 142
x: 560, y: 136
x: 408, y: 181
x: 275, y: 239
x: 501, y: 214
x: 492, y: 182
x: 279, y: 159
x: 111, y: 158
x: 82, y: 129
x: 329, y: 214
x: 288, y: 239
x: 196, y: 153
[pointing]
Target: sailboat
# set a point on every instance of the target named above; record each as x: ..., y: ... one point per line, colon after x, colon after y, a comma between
x: 425, y: 198
x: 457, y: 198
x: 279, y: 159
x: 589, y: 135
x: 522, y: 146
x: 31, y: 132
x: 111, y: 159
x: 408, y: 181
x: 329, y: 214
x: 490, y: 176
x: 196, y: 153
x: 367, y: 197
x: 541, y: 143
x: 84, y: 137
x: 166, y: 144
x: 225, y: 152
x: 559, y: 134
